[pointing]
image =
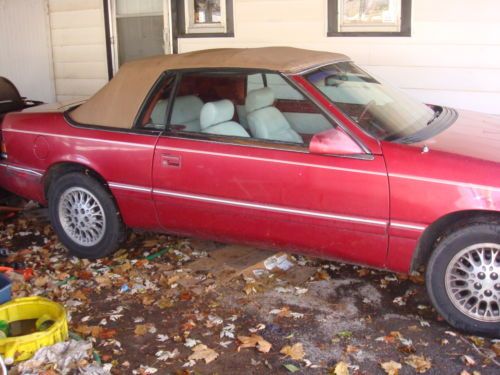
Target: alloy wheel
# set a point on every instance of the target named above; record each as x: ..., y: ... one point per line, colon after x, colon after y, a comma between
x: 472, y: 281
x: 82, y: 216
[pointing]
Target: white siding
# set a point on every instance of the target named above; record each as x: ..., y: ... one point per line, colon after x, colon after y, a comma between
x: 452, y: 58
x: 79, y: 47
x: 25, y: 53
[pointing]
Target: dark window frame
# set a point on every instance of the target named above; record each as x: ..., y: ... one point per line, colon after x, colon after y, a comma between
x: 179, y: 22
x: 333, y: 23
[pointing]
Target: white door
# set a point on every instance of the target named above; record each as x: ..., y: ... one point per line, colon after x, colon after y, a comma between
x: 25, y: 50
x: 141, y: 28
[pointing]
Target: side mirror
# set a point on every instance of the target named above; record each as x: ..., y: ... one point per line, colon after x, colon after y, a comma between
x: 334, y: 142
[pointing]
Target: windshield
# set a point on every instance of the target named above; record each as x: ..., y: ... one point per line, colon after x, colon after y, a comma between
x: 382, y: 111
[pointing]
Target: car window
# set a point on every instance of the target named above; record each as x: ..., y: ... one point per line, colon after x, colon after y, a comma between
x: 255, y: 81
x: 258, y: 108
x: 155, y: 114
x: 281, y: 88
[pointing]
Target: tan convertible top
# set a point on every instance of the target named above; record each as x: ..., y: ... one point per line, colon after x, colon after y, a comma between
x: 118, y: 102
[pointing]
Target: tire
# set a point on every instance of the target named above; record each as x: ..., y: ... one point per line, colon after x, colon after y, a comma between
x: 463, y: 278
x: 84, y: 216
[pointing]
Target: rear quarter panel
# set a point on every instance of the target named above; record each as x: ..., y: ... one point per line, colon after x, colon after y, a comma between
x: 41, y: 141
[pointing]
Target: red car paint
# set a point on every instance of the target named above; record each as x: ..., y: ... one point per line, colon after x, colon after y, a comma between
x: 370, y: 211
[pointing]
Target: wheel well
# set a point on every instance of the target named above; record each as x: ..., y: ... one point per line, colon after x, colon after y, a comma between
x: 437, y: 230
x: 61, y: 169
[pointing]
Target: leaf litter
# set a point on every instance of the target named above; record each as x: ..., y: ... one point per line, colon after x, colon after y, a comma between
x: 142, y: 287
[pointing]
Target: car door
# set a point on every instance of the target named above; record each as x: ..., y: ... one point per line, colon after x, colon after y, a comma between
x: 269, y: 193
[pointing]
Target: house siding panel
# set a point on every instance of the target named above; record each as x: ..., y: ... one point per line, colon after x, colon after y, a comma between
x: 79, y: 47
x: 25, y: 51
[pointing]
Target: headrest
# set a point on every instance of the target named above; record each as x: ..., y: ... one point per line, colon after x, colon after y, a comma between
x: 186, y: 109
x: 260, y: 98
x: 214, y: 113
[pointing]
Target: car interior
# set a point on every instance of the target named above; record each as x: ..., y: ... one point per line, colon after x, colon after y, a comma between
x: 262, y: 106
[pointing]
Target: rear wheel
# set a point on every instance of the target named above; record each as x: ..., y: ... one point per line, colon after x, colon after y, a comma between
x: 463, y: 278
x: 84, y: 216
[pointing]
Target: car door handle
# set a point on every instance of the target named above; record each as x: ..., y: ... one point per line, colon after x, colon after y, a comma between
x: 169, y: 161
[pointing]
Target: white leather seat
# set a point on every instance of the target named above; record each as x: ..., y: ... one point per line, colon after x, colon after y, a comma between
x: 266, y: 121
x: 186, y: 112
x: 215, y: 118
x: 159, y: 114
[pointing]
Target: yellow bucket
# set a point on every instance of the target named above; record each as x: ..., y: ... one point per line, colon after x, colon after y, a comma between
x: 20, y: 348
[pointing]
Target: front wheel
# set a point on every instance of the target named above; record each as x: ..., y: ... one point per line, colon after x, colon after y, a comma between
x: 463, y: 279
x: 84, y: 216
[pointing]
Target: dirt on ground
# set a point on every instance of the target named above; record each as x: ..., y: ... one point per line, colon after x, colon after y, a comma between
x: 169, y: 305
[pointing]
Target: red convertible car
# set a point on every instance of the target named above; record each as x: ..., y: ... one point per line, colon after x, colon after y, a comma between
x: 275, y: 147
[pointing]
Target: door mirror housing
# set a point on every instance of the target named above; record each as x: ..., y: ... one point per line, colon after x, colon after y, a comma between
x: 334, y: 142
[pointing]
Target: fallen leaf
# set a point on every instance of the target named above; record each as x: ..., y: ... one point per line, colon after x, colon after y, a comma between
x: 391, y: 367
x: 41, y: 281
x: 201, y: 351
x: 148, y: 300
x: 468, y: 360
x: 496, y: 348
x: 417, y: 278
x: 291, y: 368
x: 419, y: 363
x: 79, y: 295
x: 190, y: 343
x: 162, y: 338
x: 322, y: 275
x: 150, y: 243
x: 362, y: 272
x: 106, y: 334
x: 185, y: 296
x: 479, y: 341
x: 123, y: 268
x: 344, y: 334
x: 85, y: 275
x: 254, y: 341
x: 188, y: 326
x: 164, y: 303
x: 103, y: 281
x: 142, y: 329
x: 146, y: 370
x: 250, y: 288
x: 285, y: 312
x: 341, y: 368
x: 165, y: 355
x: 295, y: 352
x: 351, y: 349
